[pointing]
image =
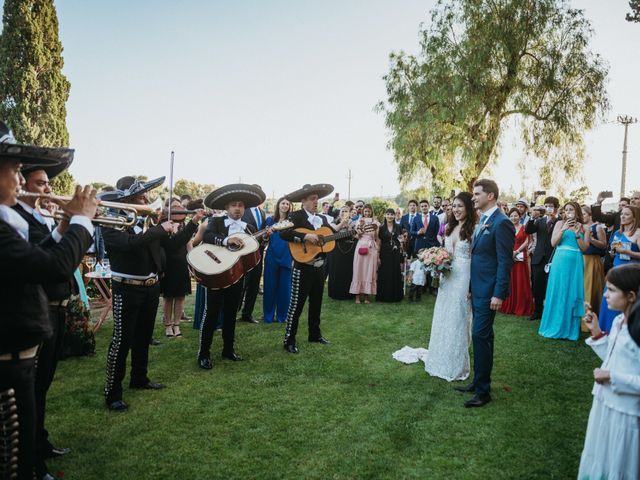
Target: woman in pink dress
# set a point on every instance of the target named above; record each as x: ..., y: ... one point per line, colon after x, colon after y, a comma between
x: 367, y: 257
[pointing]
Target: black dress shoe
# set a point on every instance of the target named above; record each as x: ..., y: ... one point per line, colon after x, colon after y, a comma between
x: 154, y: 342
x: 232, y: 356
x: 148, y: 386
x: 534, y: 317
x: 477, y: 401
x: 465, y: 388
x: 248, y: 320
x: 205, y: 363
x: 117, y: 406
x: 291, y: 348
x: 321, y: 340
x: 54, y: 452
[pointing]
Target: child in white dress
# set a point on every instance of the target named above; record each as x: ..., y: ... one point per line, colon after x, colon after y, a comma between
x: 612, y: 443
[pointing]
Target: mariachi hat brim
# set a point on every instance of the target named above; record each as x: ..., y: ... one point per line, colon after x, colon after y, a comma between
x: 250, y: 195
x: 136, y: 188
x: 320, y: 189
x: 52, y: 171
x: 31, y: 155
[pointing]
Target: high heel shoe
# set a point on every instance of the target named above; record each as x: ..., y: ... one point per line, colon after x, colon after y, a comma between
x: 168, y: 331
x: 176, y: 331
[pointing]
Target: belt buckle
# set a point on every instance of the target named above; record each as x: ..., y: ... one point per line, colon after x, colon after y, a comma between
x: 149, y: 282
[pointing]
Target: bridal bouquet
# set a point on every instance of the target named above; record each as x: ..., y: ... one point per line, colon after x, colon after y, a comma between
x: 437, y: 261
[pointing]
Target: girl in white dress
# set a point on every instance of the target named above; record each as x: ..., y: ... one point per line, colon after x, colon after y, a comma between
x: 612, y: 443
x: 448, y: 354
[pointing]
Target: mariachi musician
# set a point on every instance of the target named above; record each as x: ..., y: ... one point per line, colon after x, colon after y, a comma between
x: 136, y: 256
x: 234, y: 198
x: 25, y: 321
x: 307, y: 279
x: 40, y: 230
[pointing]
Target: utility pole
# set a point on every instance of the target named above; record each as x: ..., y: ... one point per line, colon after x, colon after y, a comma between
x: 625, y: 120
x: 349, y: 177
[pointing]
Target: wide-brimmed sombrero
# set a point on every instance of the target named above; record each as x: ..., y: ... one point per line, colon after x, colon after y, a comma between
x: 129, y: 187
x: 30, y: 155
x: 250, y: 195
x: 52, y: 170
x: 320, y: 189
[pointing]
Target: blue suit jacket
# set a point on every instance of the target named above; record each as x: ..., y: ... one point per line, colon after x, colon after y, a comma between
x: 430, y: 237
x: 492, y: 258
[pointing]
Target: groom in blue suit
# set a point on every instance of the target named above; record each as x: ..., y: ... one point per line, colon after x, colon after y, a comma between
x: 491, y: 263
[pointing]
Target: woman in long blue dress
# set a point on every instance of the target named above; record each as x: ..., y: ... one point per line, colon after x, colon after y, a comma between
x: 624, y: 245
x: 564, y: 302
x: 277, y: 269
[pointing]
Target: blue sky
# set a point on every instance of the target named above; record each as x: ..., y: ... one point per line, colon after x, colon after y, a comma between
x: 278, y: 93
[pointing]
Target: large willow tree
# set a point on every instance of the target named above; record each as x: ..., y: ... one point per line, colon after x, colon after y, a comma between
x: 484, y: 64
x: 33, y: 90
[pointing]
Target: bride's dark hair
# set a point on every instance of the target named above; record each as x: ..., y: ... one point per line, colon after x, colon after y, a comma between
x: 467, y: 228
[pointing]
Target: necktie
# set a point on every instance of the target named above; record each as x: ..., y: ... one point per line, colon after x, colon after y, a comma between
x: 425, y: 220
x: 235, y: 226
x: 258, y: 218
x: 483, y: 218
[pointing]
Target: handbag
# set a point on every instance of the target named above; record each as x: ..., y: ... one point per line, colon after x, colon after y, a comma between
x: 363, y: 250
x: 547, y: 267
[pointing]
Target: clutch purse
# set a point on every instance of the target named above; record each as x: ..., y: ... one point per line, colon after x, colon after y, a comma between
x: 363, y: 250
x: 519, y: 257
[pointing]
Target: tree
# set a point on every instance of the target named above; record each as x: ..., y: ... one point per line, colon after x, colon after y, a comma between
x: 484, y: 64
x: 33, y: 90
x: 194, y: 189
x: 380, y: 205
x: 634, y: 16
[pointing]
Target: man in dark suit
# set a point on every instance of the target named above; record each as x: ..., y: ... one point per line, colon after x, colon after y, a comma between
x: 25, y: 320
x: 37, y: 182
x: 235, y: 199
x: 307, y: 279
x: 491, y: 263
x: 424, y: 228
x: 543, y: 228
x: 405, y: 224
x: 256, y: 217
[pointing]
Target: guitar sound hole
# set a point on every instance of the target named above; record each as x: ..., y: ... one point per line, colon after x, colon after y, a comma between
x: 212, y: 256
x: 234, y: 248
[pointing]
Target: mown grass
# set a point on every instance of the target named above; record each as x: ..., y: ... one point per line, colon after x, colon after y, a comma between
x: 344, y: 411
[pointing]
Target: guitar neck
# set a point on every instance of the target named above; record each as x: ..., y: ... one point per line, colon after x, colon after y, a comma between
x: 338, y: 236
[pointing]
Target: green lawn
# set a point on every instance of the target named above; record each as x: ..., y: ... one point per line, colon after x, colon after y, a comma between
x: 342, y: 411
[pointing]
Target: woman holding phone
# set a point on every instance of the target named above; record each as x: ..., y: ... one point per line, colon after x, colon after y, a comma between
x: 624, y: 248
x: 564, y: 302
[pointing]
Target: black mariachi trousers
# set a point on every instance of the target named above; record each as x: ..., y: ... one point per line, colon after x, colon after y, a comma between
x: 134, y: 315
x: 227, y: 299
x: 48, y: 357
x: 306, y: 281
x: 19, y: 375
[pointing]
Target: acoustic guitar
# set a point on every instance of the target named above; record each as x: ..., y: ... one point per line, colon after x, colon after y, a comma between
x: 218, y: 267
x: 305, y: 252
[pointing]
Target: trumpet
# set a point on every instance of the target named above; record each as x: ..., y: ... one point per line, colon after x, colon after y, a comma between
x: 121, y: 222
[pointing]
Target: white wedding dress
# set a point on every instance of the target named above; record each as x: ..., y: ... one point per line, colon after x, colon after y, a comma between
x: 448, y: 353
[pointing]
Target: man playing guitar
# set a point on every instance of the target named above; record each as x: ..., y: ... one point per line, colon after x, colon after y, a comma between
x: 234, y: 199
x: 307, y: 279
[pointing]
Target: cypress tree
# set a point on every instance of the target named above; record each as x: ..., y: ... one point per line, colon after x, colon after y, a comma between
x: 33, y: 90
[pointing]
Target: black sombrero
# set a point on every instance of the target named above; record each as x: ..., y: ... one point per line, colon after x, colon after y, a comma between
x: 52, y: 171
x: 320, y: 189
x: 129, y: 187
x: 30, y: 155
x: 250, y: 195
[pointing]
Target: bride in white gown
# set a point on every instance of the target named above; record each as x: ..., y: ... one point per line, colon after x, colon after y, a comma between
x: 448, y: 353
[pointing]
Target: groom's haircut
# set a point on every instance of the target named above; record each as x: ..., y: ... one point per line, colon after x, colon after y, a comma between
x: 488, y: 186
x: 552, y: 200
